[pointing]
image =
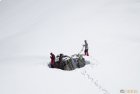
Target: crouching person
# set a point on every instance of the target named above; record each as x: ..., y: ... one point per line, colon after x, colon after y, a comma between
x: 52, y: 60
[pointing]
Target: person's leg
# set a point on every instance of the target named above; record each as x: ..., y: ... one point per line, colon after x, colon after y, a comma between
x: 87, y: 53
x: 52, y: 66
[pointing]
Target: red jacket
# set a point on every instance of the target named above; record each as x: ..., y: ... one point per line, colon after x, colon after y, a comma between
x: 52, y: 59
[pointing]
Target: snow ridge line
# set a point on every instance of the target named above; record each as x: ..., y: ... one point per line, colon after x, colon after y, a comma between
x: 93, y: 79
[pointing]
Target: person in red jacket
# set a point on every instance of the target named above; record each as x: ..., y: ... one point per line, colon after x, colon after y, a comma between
x: 52, y: 60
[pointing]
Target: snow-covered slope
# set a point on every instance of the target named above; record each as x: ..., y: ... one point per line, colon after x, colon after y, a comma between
x: 31, y: 29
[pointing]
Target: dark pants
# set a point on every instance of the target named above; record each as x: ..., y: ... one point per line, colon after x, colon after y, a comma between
x: 52, y: 66
x: 86, y: 52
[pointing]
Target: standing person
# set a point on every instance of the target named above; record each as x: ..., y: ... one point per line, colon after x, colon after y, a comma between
x: 52, y: 60
x: 86, y: 48
x: 60, y: 61
x: 60, y: 58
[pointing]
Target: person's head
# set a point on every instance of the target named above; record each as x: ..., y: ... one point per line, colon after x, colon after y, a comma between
x: 51, y: 53
x: 85, y: 41
x: 61, y: 54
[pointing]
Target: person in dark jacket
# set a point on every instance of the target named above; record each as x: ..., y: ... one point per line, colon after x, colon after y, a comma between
x: 52, y: 60
x: 86, y: 48
x: 60, y: 61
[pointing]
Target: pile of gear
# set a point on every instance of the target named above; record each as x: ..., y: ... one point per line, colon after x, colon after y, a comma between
x: 65, y: 62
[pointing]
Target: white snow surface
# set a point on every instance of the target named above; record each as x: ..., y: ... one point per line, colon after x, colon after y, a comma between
x: 31, y: 29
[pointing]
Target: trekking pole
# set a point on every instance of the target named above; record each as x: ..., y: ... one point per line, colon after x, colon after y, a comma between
x: 81, y: 50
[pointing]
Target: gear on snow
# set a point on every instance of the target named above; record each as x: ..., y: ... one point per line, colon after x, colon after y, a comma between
x: 66, y: 62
